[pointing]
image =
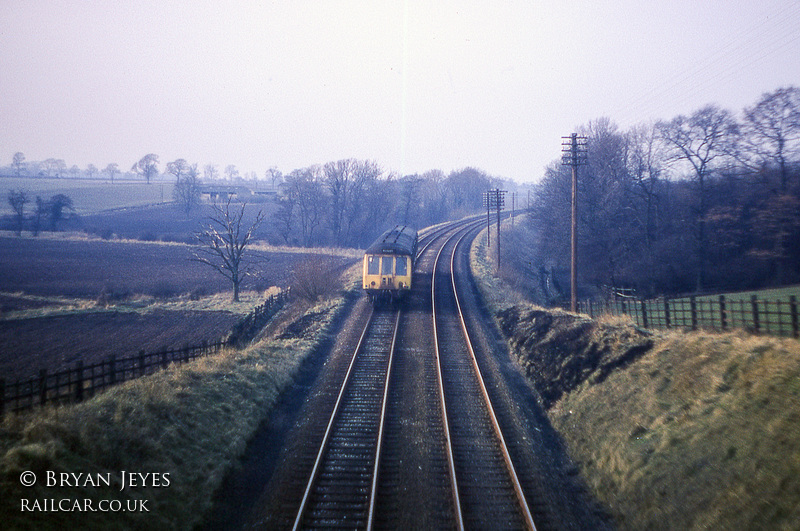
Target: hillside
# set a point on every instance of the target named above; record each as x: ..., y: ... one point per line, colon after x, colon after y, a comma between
x: 670, y: 430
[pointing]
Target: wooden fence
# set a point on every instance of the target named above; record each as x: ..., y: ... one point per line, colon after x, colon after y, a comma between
x: 85, y: 380
x: 776, y: 317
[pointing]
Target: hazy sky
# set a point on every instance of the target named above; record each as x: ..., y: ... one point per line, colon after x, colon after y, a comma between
x: 413, y: 85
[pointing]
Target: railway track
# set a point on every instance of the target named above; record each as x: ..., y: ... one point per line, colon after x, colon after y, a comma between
x: 412, y: 440
x: 343, y: 481
x: 487, y: 492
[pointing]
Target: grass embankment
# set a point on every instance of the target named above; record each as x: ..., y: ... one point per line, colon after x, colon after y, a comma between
x: 670, y: 430
x: 186, y: 424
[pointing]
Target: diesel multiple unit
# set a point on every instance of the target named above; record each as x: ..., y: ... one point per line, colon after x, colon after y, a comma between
x: 389, y: 263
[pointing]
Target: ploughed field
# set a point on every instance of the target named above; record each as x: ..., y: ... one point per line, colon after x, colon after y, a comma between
x: 58, y: 342
x: 67, y: 300
x: 85, y: 268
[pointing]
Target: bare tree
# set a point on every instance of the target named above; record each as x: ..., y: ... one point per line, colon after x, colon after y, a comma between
x: 339, y: 176
x: 50, y: 166
x: 178, y: 168
x: 210, y: 172
x: 55, y: 209
x: 61, y: 167
x: 644, y: 165
x: 700, y: 140
x: 147, y: 166
x: 772, y: 128
x: 231, y: 172
x: 17, y: 199
x: 223, y: 242
x: 19, y: 162
x: 91, y: 171
x: 187, y: 188
x: 41, y: 213
x: 111, y: 170
x: 274, y: 175
x: 284, y: 216
x: 307, y: 190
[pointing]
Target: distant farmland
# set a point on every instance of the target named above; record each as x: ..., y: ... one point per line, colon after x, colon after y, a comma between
x: 39, y: 272
x: 167, y: 222
x: 84, y: 268
x: 88, y: 195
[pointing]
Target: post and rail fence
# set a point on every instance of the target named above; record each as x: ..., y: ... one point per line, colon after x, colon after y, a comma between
x: 774, y: 317
x: 85, y: 380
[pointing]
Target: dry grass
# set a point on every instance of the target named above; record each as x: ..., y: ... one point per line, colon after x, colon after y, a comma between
x: 142, y: 304
x: 326, y: 251
x: 693, y: 431
x: 191, y: 422
x: 496, y: 293
x: 702, y: 432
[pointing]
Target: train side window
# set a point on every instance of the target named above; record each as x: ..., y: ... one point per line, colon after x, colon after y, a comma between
x: 386, y: 265
x: 373, y: 265
x: 402, y: 266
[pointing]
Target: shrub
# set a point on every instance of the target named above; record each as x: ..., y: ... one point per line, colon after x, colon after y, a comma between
x: 315, y: 278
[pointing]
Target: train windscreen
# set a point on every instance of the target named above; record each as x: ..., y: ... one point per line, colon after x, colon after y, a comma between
x: 386, y: 265
x: 402, y: 266
x: 373, y: 266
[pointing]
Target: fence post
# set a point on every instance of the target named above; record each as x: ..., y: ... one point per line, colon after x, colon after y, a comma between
x: 754, y: 306
x: 112, y: 374
x: 42, y: 387
x: 793, y: 310
x: 693, y: 309
x: 644, y: 314
x: 667, y: 323
x: 79, y: 384
x: 723, y: 314
x: 141, y: 363
x: 2, y: 396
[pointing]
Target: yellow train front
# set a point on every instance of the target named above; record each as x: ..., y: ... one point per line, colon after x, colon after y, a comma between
x: 389, y: 264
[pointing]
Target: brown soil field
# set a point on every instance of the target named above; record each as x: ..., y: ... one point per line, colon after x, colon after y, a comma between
x: 57, y: 342
x: 84, y: 268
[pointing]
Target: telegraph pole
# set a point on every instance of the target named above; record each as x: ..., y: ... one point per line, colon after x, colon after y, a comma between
x: 494, y: 198
x: 573, y: 149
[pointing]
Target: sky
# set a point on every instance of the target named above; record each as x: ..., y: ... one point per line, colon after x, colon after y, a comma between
x: 412, y: 85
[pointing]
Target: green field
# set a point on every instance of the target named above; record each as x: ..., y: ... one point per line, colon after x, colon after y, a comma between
x: 766, y: 311
x: 89, y: 196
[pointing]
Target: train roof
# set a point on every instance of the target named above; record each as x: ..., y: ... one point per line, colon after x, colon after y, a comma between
x: 401, y: 239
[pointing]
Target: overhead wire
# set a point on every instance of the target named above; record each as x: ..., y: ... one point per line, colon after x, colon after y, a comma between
x: 705, y: 72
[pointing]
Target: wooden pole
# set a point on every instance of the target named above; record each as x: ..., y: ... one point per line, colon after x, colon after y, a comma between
x: 573, y: 276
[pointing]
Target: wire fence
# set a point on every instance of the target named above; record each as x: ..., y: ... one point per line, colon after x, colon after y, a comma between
x: 86, y: 380
x: 774, y: 317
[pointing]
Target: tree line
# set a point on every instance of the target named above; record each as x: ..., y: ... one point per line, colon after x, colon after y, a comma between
x: 705, y: 201
x: 47, y: 213
x: 350, y: 202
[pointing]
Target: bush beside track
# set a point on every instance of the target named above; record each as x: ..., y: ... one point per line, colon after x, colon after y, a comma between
x: 192, y: 422
x: 669, y: 429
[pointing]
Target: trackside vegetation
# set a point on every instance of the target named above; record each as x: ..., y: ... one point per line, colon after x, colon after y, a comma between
x: 670, y: 430
x: 185, y: 426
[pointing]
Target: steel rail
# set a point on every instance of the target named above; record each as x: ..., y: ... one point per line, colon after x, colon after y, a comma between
x: 326, y: 438
x: 374, y: 492
x: 526, y: 513
x: 446, y: 428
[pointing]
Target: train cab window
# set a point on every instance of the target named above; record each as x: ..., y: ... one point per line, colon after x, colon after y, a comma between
x: 373, y: 265
x: 401, y: 266
x: 386, y: 265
